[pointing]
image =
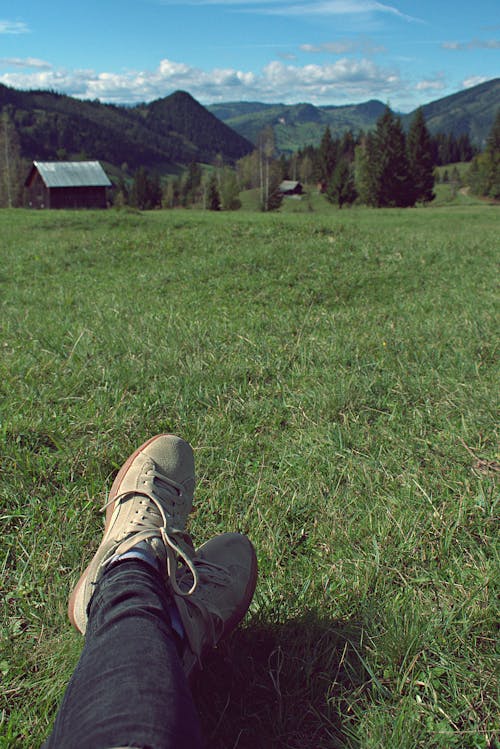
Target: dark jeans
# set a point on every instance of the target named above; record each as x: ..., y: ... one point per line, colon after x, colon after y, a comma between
x: 129, y: 688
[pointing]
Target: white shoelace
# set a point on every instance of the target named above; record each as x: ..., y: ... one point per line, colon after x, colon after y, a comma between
x: 213, y: 574
x: 176, y: 547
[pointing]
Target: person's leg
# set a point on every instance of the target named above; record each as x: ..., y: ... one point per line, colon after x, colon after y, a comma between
x: 147, y: 506
x: 129, y: 687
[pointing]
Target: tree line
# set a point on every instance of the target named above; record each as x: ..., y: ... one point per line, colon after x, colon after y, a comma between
x: 393, y: 169
x: 216, y: 190
x: 384, y: 167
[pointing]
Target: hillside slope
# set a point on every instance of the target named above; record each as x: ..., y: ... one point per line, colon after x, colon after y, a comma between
x: 296, y: 125
x: 471, y: 111
x: 167, y: 132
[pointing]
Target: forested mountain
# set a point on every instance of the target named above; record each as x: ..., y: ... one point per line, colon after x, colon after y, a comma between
x: 167, y: 132
x: 297, y: 125
x: 470, y: 112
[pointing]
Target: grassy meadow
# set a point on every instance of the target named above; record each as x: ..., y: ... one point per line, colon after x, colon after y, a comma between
x: 336, y: 373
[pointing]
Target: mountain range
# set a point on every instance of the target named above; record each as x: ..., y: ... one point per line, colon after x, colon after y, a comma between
x: 169, y: 133
x: 162, y: 135
x: 470, y: 112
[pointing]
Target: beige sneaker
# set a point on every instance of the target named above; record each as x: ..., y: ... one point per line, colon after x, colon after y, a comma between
x: 227, y: 576
x: 149, y: 501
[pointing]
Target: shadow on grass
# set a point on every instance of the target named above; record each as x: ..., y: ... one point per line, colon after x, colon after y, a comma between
x: 288, y: 685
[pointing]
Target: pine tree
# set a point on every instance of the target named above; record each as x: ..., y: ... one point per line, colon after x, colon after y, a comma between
x: 154, y: 190
x: 420, y: 159
x: 171, y: 197
x: 347, y: 146
x: 393, y: 184
x: 213, y: 197
x: 146, y: 190
x: 484, y: 175
x: 139, y: 191
x: 275, y: 196
x: 340, y: 189
x: 465, y: 148
x: 327, y: 158
x: 493, y: 152
x: 192, y: 183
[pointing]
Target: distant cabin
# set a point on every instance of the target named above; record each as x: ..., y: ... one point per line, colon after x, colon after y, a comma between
x: 291, y: 187
x: 67, y: 184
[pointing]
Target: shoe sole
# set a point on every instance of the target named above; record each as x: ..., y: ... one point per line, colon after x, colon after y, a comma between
x: 114, y: 491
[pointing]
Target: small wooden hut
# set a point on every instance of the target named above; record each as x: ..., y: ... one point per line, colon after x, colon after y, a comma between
x: 291, y: 187
x: 67, y: 184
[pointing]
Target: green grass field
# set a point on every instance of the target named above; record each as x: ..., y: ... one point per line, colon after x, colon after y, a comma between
x: 336, y: 373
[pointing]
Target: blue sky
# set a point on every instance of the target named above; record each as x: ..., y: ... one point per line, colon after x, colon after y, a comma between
x: 318, y: 51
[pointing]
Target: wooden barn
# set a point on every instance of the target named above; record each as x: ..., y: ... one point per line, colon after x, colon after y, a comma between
x: 291, y: 187
x: 66, y: 184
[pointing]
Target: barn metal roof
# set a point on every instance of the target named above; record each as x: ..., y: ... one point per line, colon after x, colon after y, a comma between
x: 72, y: 173
x: 288, y: 184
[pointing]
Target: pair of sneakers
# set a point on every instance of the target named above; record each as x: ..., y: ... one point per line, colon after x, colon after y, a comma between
x: 147, y: 509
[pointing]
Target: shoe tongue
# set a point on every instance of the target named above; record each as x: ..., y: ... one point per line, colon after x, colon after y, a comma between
x: 157, y: 547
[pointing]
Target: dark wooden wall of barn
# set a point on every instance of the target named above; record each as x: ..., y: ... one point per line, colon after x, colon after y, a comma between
x: 78, y: 197
x: 39, y: 196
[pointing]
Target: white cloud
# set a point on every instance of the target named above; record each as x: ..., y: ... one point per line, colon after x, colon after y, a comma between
x: 473, y: 44
x: 437, y: 84
x: 485, y: 44
x: 343, y: 80
x: 339, y: 8
x: 342, y: 71
x: 334, y: 48
x: 474, y: 80
x: 169, y: 69
x: 25, y: 62
x: 343, y: 47
x: 295, y: 8
x: 13, y: 27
